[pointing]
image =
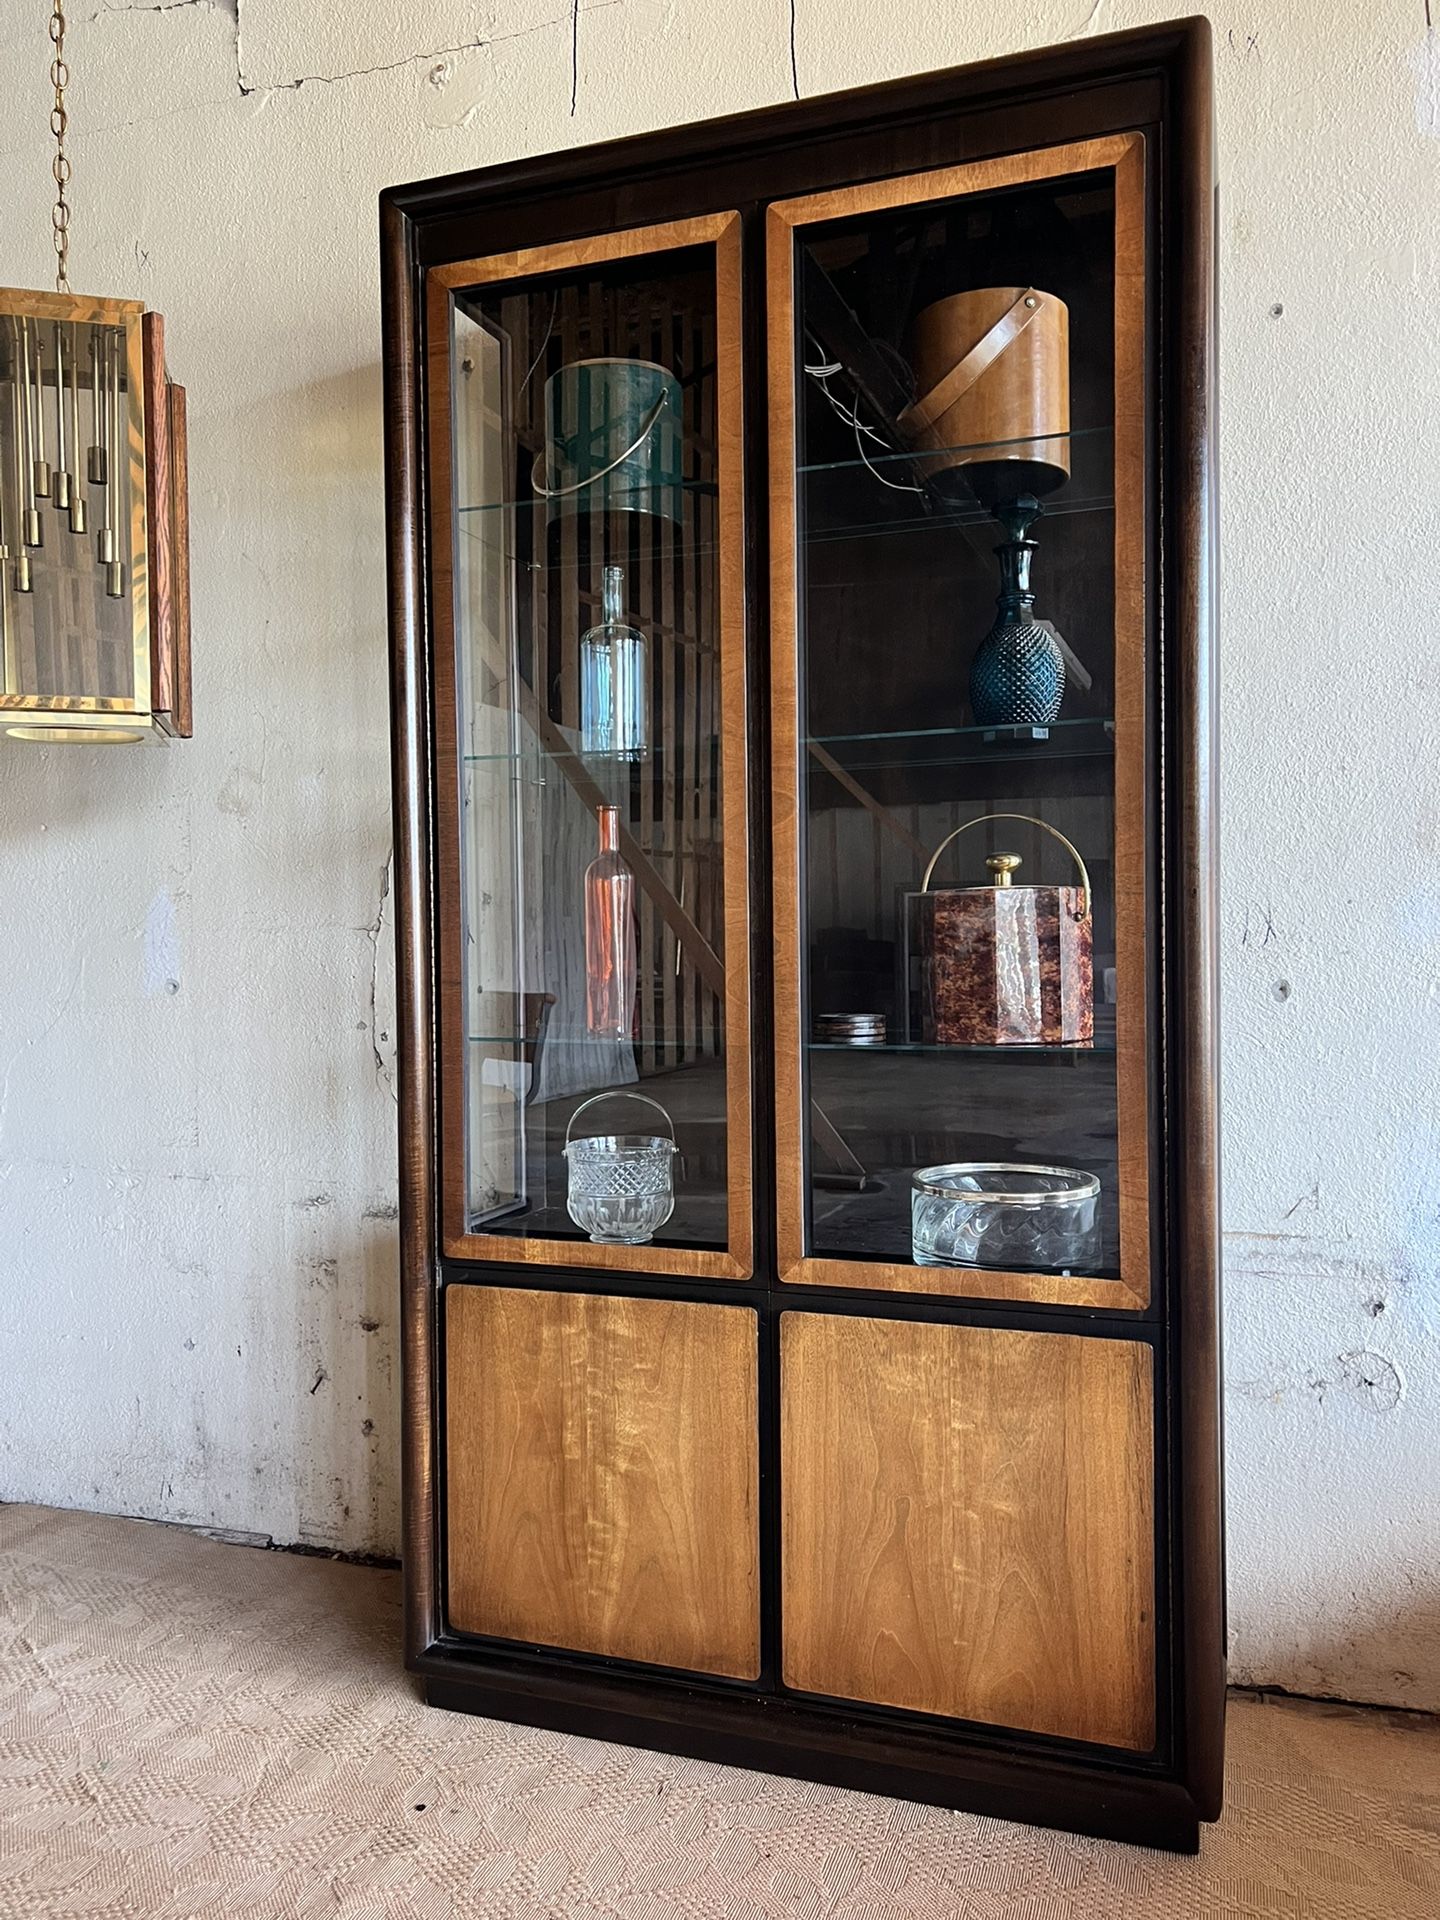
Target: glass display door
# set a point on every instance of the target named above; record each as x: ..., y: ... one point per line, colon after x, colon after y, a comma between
x: 958, y: 439
x: 590, y: 682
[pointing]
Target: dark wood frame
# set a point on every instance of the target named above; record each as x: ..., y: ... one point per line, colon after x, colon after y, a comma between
x: 1157, y: 81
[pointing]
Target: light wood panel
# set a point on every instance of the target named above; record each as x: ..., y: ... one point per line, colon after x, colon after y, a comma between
x: 182, y: 715
x: 159, y: 479
x: 604, y: 1476
x: 167, y: 521
x: 589, y: 250
x: 1125, y: 153
x: 968, y: 1523
x: 1132, y: 1072
x: 727, y: 972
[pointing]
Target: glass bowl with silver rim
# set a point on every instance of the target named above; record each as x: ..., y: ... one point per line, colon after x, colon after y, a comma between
x: 976, y: 1213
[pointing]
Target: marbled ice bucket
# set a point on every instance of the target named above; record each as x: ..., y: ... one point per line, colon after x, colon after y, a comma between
x: 1006, y: 967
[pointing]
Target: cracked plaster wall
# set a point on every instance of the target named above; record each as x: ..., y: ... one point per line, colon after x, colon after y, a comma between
x: 197, y: 1294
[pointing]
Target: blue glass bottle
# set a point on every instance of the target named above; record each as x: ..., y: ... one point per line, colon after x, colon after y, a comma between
x: 1017, y: 678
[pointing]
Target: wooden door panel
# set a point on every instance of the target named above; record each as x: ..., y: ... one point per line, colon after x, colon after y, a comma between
x: 603, y: 1475
x: 968, y: 1523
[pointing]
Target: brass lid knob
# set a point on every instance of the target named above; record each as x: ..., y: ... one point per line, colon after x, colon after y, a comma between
x: 1001, y: 866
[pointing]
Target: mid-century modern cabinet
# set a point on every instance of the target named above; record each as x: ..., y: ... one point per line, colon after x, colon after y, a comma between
x: 801, y: 594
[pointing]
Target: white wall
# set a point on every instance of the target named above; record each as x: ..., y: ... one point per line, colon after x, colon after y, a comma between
x: 197, y: 1300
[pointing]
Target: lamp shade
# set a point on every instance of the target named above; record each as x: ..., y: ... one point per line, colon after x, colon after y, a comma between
x: 94, y: 548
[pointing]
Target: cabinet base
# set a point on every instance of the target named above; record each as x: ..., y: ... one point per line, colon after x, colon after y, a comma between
x: 787, y: 1736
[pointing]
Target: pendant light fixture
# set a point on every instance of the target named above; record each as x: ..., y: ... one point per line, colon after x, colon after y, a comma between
x: 94, y: 543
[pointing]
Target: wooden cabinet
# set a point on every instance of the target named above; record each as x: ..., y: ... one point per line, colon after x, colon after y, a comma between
x: 603, y: 1475
x: 800, y: 596
x: 968, y: 1523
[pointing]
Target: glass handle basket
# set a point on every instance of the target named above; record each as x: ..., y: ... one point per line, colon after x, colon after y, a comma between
x: 621, y: 1185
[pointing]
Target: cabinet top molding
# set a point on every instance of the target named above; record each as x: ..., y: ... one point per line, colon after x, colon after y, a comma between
x: 1178, y: 49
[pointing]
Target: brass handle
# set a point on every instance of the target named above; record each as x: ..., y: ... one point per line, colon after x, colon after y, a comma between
x: 1030, y: 820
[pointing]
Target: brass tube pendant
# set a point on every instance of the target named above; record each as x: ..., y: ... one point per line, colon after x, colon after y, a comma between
x: 105, y: 538
x: 77, y: 487
x: 42, y: 463
x: 5, y: 616
x: 115, y: 569
x: 32, y: 532
x: 60, y: 479
x: 95, y: 458
x: 23, y: 580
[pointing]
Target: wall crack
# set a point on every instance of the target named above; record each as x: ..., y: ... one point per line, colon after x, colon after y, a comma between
x: 228, y: 7
x: 570, y: 19
x: 248, y: 89
x: 261, y: 89
x: 1092, y: 23
x: 380, y: 1038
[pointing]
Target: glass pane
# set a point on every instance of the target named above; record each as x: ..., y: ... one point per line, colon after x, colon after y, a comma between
x: 957, y: 652
x: 70, y: 494
x: 586, y: 503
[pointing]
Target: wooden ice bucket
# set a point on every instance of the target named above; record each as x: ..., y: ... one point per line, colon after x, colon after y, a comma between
x: 993, y: 371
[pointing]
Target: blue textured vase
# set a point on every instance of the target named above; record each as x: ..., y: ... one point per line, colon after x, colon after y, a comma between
x: 1017, y: 678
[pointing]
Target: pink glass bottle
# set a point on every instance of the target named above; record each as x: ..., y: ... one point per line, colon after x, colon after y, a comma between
x: 611, y: 965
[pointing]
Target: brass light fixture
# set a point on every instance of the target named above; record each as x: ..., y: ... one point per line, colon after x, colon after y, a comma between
x: 94, y: 540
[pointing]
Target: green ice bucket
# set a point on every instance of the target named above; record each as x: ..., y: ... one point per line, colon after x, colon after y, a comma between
x: 613, y: 440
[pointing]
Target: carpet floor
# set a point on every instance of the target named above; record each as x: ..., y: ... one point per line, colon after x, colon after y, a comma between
x: 190, y: 1728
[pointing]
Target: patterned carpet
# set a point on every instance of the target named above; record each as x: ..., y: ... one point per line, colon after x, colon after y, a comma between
x: 188, y: 1728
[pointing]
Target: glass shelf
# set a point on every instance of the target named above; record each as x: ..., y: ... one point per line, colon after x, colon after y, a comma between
x: 482, y: 534
x: 1078, y: 436
x: 633, y: 496
x: 1105, y: 1044
x: 1089, y: 489
x: 950, y: 520
x: 901, y: 501
x: 659, y: 1036
x: 595, y: 764
x: 941, y: 518
x: 1086, y: 737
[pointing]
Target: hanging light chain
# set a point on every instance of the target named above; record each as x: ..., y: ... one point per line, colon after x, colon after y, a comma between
x: 60, y: 166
